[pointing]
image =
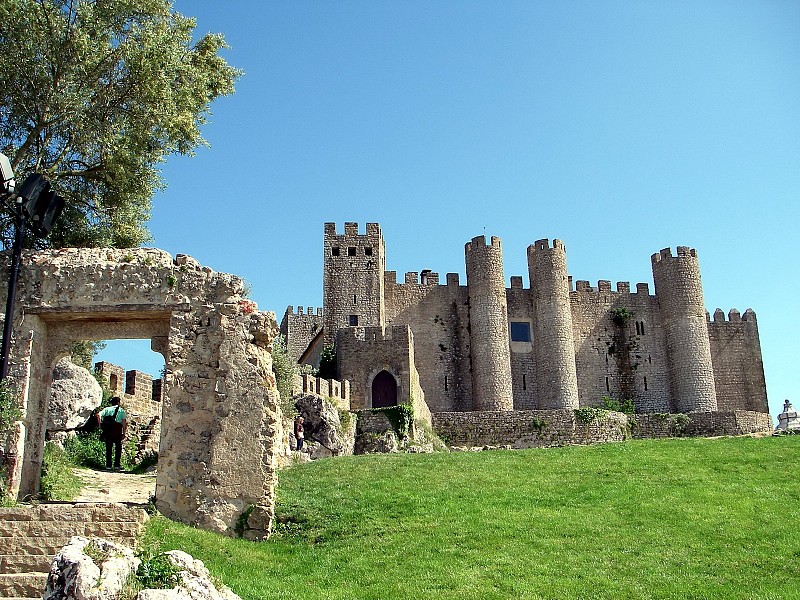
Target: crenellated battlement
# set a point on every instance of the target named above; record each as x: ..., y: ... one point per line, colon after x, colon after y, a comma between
x: 734, y: 316
x: 666, y: 253
x: 479, y: 242
x: 604, y: 286
x: 351, y: 229
x: 310, y: 311
x: 426, y: 277
x: 378, y: 334
x: 544, y: 244
x: 338, y: 391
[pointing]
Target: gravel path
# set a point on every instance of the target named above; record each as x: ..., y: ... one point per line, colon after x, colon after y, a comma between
x: 104, y: 486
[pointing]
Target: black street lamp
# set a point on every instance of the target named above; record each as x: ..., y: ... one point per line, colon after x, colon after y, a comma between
x: 35, y: 207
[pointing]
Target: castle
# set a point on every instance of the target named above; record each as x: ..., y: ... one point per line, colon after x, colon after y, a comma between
x: 553, y: 345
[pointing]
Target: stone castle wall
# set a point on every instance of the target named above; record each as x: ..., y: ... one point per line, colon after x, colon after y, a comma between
x: 619, y: 360
x: 440, y: 313
x: 662, y: 353
x: 546, y: 428
x: 738, y: 366
x: 299, y: 330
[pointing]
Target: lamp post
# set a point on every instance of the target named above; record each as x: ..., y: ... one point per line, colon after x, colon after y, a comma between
x: 35, y: 207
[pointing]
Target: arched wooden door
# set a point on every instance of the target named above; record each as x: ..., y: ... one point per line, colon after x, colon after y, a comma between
x: 384, y: 390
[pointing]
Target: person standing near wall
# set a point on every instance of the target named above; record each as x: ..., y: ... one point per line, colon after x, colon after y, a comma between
x: 113, y: 426
x: 299, y: 433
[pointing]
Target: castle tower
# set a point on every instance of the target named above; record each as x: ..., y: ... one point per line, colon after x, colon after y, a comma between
x: 556, y: 377
x: 352, y: 279
x: 488, y: 319
x: 683, y: 315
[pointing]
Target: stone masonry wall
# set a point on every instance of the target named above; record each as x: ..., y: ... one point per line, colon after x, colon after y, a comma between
x: 299, y: 330
x: 220, y: 399
x: 738, y: 422
x: 440, y: 315
x: 544, y: 428
x: 526, y: 428
x: 619, y: 360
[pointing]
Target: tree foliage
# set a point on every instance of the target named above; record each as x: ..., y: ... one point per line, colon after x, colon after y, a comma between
x: 95, y: 95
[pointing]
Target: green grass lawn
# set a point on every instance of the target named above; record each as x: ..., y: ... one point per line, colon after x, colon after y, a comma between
x: 683, y: 518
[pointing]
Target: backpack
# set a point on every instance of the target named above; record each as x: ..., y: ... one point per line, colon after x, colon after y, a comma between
x: 108, y: 424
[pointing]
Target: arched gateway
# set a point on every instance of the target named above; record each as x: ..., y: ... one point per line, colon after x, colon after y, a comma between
x: 220, y: 415
x: 384, y: 390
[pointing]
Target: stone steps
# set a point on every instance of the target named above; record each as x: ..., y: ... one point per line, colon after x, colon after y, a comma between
x: 30, y: 536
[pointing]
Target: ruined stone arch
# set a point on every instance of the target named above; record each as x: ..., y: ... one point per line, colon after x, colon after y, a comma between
x: 220, y: 412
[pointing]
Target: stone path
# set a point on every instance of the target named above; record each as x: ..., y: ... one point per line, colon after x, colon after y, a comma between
x: 104, y: 486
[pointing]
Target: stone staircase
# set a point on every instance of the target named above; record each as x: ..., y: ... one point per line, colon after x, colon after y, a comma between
x: 30, y: 536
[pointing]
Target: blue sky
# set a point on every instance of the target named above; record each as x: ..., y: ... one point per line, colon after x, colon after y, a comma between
x: 619, y: 127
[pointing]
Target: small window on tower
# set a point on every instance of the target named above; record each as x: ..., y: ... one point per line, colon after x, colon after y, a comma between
x: 368, y: 251
x: 520, y: 331
x: 353, y: 320
x: 335, y: 251
x: 351, y: 251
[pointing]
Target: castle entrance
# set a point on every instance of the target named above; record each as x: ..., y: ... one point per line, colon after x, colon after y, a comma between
x: 384, y: 390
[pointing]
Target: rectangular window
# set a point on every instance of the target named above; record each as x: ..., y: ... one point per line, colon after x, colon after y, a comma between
x: 368, y: 251
x: 335, y: 251
x: 520, y: 331
x: 351, y: 251
x: 353, y: 320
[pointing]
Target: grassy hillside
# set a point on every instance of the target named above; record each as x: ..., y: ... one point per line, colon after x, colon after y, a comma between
x: 685, y: 518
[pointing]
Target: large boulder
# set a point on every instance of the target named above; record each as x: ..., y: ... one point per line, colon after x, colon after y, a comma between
x: 75, y: 393
x: 74, y: 574
x: 323, y: 426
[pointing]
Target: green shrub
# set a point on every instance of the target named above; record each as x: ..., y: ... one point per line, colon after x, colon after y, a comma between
x: 588, y: 414
x: 88, y: 450
x: 156, y: 572
x: 58, y: 481
x: 285, y: 369
x: 625, y: 405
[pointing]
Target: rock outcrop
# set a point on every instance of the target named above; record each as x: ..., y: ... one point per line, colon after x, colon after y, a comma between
x: 325, y: 433
x: 97, y: 569
x: 75, y: 393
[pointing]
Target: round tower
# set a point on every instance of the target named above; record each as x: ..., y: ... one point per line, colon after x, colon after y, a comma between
x: 488, y: 321
x: 683, y: 318
x: 556, y: 376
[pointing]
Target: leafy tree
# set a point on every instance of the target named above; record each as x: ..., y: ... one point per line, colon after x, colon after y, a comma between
x: 82, y: 353
x: 95, y: 95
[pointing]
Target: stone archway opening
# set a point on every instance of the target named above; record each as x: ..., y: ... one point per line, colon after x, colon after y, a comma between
x: 384, y: 390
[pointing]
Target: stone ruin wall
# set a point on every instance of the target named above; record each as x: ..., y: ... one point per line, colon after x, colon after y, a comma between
x: 220, y: 407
